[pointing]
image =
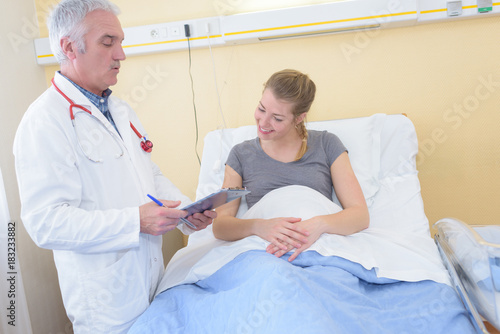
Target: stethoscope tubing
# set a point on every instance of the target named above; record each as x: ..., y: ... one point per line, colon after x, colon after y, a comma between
x: 112, y: 134
x: 146, y: 144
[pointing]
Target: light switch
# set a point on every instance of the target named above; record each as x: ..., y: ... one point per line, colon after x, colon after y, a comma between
x: 454, y: 7
x: 484, y: 6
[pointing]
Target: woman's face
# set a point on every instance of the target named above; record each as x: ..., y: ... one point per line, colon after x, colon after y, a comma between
x: 274, y: 118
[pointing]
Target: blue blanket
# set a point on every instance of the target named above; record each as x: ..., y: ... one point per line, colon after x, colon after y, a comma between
x: 259, y: 293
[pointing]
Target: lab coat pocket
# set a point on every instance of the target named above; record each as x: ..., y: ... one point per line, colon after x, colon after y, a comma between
x: 117, y: 294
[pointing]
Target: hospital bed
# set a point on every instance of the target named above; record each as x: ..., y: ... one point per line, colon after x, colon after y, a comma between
x: 389, y: 278
x: 472, y: 255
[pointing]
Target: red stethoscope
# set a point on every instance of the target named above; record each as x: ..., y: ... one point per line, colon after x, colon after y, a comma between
x: 146, y: 144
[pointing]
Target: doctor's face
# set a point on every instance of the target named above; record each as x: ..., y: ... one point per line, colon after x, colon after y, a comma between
x: 97, y: 68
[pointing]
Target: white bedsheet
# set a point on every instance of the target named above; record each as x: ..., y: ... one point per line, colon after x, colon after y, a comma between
x: 399, y: 254
x: 382, y: 149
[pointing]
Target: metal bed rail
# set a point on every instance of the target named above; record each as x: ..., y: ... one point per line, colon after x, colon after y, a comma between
x: 473, y: 263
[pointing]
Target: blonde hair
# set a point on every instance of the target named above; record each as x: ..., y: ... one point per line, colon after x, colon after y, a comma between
x: 298, y: 89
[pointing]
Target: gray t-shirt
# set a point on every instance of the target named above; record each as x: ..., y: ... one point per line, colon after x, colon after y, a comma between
x: 262, y: 174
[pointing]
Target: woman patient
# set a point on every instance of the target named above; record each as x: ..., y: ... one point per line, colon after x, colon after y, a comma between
x: 284, y: 154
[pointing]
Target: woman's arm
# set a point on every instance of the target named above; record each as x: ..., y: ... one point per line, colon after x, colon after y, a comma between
x: 353, y: 218
x: 277, y: 231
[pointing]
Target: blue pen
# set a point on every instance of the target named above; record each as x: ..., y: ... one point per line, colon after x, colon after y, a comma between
x: 161, y: 204
x: 155, y: 200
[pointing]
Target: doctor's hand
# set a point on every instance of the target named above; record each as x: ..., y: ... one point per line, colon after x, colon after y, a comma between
x: 202, y: 220
x: 158, y: 220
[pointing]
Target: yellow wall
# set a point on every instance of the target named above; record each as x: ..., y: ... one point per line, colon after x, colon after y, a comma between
x: 435, y: 73
x: 430, y: 72
x: 21, y: 82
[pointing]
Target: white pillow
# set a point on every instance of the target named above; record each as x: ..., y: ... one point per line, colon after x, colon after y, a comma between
x: 361, y: 136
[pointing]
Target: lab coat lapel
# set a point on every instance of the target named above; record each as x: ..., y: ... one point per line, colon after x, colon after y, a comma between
x: 78, y: 98
x: 119, y: 113
x: 122, y: 115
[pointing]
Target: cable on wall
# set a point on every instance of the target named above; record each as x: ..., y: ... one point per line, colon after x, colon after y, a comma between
x: 188, y: 34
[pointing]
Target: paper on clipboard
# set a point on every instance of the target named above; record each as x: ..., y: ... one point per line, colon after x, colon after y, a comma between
x: 213, y: 201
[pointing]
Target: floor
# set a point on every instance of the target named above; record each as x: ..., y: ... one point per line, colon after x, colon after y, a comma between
x: 491, y: 329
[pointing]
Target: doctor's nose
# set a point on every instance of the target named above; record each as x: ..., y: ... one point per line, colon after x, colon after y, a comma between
x: 119, y: 54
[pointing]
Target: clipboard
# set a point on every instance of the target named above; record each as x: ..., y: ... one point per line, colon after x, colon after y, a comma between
x: 213, y: 201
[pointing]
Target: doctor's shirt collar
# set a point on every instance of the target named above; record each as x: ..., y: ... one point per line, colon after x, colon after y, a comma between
x: 101, y: 102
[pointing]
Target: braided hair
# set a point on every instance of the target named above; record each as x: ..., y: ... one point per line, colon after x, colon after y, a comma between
x: 298, y: 89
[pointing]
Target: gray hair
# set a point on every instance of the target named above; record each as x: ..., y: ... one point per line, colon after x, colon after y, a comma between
x: 66, y: 19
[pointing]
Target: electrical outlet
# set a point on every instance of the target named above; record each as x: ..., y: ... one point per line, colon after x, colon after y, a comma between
x: 154, y: 33
x: 175, y: 31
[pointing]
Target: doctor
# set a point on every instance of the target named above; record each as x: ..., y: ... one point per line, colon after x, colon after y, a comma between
x: 84, y: 177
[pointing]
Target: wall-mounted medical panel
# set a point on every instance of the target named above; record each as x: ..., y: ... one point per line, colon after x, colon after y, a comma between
x: 154, y: 38
x: 171, y: 36
x: 436, y: 10
x: 340, y: 16
x: 334, y: 17
x: 311, y: 20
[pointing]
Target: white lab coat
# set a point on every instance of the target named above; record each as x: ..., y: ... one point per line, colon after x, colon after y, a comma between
x: 87, y: 212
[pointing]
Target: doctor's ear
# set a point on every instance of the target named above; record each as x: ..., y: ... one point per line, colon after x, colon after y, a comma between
x: 68, y: 48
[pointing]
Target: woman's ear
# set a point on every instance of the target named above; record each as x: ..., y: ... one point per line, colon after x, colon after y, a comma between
x: 300, y: 118
x: 68, y: 48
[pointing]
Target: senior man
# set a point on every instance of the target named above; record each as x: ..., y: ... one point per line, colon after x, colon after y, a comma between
x: 84, y: 171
